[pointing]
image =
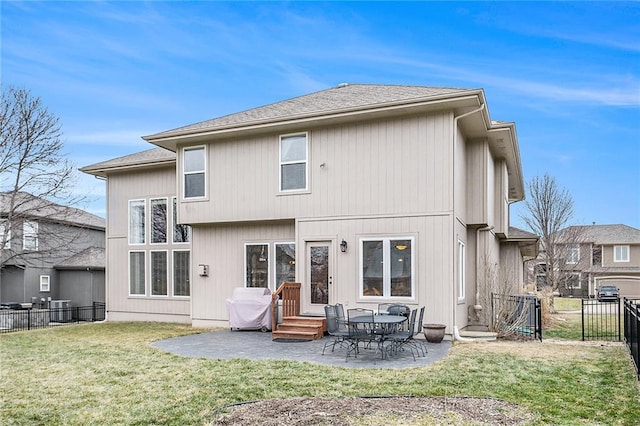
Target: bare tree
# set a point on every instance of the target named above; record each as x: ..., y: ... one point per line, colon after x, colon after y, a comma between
x: 550, y: 208
x: 36, y: 179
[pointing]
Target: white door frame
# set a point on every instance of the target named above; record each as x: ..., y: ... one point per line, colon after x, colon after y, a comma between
x: 305, y: 293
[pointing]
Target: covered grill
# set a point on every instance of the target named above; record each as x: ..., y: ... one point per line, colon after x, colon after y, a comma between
x: 250, y: 309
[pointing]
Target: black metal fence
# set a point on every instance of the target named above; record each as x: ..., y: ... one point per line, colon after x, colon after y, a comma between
x: 601, y: 320
x: 517, y: 315
x: 632, y: 329
x: 29, y: 319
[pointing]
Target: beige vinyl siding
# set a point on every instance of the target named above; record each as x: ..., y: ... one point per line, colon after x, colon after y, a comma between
x: 634, y: 256
x: 460, y: 178
x: 393, y: 166
x: 222, y: 248
x: 480, y: 183
x: 501, y: 204
x: 122, y: 187
x: 434, y: 254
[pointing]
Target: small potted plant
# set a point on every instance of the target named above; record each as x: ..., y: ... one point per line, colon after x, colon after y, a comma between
x: 434, y: 333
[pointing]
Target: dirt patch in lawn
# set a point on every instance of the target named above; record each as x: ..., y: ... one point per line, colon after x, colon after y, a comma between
x: 372, y: 411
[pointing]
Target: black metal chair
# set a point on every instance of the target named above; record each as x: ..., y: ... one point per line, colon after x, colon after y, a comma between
x: 361, y: 325
x: 402, y: 339
x: 335, y: 330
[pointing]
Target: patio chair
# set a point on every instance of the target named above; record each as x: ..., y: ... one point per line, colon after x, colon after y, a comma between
x: 335, y: 330
x: 361, y: 326
x: 402, y: 339
x: 421, y: 344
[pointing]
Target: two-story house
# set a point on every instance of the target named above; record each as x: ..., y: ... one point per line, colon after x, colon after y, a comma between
x: 363, y: 193
x: 50, y: 252
x: 591, y: 256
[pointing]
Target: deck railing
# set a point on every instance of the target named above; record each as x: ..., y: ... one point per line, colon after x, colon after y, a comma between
x: 289, y: 296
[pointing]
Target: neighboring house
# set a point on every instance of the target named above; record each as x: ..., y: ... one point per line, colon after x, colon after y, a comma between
x: 593, y: 256
x: 50, y: 252
x: 363, y: 193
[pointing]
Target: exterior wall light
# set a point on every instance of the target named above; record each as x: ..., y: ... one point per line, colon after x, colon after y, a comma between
x: 343, y: 246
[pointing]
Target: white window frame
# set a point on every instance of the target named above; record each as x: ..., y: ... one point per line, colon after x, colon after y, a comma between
x: 30, y: 233
x: 573, y: 254
x: 174, y: 223
x: 143, y: 223
x: 622, y: 255
x: 282, y: 163
x: 578, y: 280
x: 386, y: 275
x: 144, y: 273
x: 275, y: 263
x: 462, y: 271
x: 152, y: 274
x: 268, y: 260
x: 173, y: 271
x: 45, y: 283
x: 185, y: 173
x: 5, y: 228
x: 152, y: 219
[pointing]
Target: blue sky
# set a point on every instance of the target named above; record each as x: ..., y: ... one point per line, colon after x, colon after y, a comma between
x: 568, y: 74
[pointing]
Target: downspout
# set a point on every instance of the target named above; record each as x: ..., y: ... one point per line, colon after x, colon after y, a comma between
x: 456, y: 335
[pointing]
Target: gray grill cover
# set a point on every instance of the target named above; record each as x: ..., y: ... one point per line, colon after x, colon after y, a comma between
x: 250, y: 308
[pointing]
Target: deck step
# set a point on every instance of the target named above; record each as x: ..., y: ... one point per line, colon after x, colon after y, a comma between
x: 300, y: 328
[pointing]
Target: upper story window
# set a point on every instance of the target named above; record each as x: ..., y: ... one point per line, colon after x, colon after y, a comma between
x: 194, y: 169
x: 596, y: 255
x: 158, y: 220
x: 573, y: 253
x: 387, y: 267
x: 293, y: 162
x: 181, y: 233
x: 137, y: 212
x: 30, y: 236
x: 5, y: 234
x: 620, y: 253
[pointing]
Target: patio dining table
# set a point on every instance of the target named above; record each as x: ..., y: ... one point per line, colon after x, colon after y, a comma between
x: 383, y: 324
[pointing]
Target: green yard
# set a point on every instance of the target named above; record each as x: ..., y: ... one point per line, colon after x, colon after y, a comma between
x: 109, y: 374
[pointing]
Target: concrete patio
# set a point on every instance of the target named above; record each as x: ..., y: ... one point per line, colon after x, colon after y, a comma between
x: 227, y: 344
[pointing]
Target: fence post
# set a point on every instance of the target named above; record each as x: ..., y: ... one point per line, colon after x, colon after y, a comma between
x: 582, y: 310
x: 29, y: 319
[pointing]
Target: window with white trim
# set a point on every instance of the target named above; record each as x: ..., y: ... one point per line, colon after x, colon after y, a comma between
x: 620, y: 253
x: 181, y: 233
x: 45, y: 283
x: 386, y: 267
x: 461, y: 276
x: 137, y: 213
x: 293, y: 162
x: 573, y: 253
x: 194, y: 172
x: 137, y: 273
x: 30, y: 236
x: 573, y: 280
x: 181, y: 273
x: 5, y: 234
x: 285, y: 263
x: 256, y: 265
x: 159, y: 272
x: 158, y: 220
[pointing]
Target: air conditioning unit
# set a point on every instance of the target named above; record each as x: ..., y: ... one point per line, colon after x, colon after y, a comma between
x: 60, y: 311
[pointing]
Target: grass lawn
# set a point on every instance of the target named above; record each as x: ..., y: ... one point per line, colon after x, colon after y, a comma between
x: 109, y: 374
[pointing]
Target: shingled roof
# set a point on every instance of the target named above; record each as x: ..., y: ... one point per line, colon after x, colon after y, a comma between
x: 149, y: 158
x: 28, y: 206
x: 606, y: 234
x: 345, y: 97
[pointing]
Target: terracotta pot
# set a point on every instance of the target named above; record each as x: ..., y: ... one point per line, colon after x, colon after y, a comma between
x: 434, y: 333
